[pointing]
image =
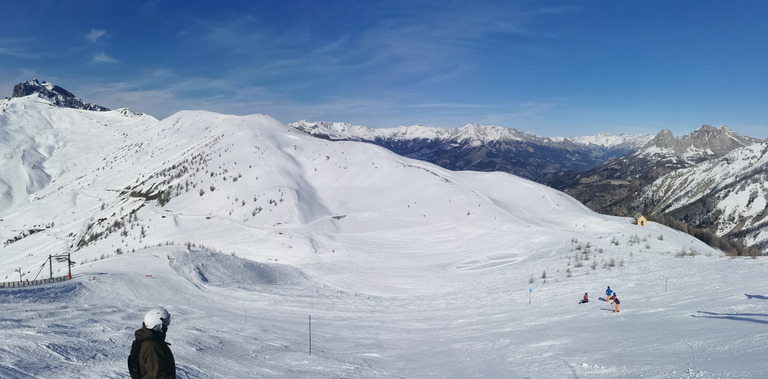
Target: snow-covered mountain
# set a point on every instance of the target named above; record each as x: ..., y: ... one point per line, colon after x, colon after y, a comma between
x: 666, y: 178
x: 40, y: 143
x: 259, y: 238
x: 728, y: 195
x: 485, y: 148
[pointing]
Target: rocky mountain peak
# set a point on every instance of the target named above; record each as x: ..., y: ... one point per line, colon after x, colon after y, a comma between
x: 57, y: 95
x: 719, y: 140
x: 665, y: 139
x: 707, y: 141
x: 709, y: 132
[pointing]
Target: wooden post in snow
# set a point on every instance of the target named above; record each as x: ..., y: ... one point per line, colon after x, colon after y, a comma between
x: 310, y: 334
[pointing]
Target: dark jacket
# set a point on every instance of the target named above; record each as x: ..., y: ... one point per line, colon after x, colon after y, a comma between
x: 155, y: 357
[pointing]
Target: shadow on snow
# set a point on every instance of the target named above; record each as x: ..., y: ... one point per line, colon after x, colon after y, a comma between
x: 749, y: 317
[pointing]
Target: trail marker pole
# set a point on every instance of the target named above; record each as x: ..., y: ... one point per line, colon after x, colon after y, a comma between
x: 310, y: 334
x: 666, y: 280
x: 530, y: 292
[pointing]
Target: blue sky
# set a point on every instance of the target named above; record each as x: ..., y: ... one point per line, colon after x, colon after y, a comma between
x: 555, y: 68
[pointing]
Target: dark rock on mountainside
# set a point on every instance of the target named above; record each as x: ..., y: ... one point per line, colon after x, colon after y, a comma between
x: 59, y: 96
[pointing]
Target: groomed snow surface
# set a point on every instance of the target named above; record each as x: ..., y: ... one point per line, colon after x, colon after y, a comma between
x: 680, y: 317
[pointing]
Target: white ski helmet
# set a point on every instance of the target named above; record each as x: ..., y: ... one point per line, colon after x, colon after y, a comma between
x: 157, y: 319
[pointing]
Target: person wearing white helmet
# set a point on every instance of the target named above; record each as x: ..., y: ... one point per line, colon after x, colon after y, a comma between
x: 155, y: 359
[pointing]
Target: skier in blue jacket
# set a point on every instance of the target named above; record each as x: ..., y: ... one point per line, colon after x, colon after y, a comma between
x: 608, y: 293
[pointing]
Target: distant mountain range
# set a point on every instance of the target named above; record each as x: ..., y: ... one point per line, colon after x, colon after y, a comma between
x: 613, y: 186
x: 485, y: 148
x: 609, y: 174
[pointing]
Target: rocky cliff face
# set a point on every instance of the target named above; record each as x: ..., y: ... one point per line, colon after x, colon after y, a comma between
x: 59, y: 96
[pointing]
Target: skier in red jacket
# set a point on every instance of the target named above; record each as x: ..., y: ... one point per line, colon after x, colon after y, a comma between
x: 585, y: 299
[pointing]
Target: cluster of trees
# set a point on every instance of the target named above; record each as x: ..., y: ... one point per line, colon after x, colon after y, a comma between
x: 729, y: 246
x: 27, y: 233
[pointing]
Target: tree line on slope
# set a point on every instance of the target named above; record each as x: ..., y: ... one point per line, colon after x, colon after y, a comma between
x: 730, y: 247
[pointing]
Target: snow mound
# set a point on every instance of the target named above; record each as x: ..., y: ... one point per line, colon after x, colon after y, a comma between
x: 216, y: 269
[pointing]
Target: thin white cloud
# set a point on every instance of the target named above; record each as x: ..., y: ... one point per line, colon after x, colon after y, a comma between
x: 95, y: 34
x: 161, y: 93
x: 103, y: 58
x: 17, y: 48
